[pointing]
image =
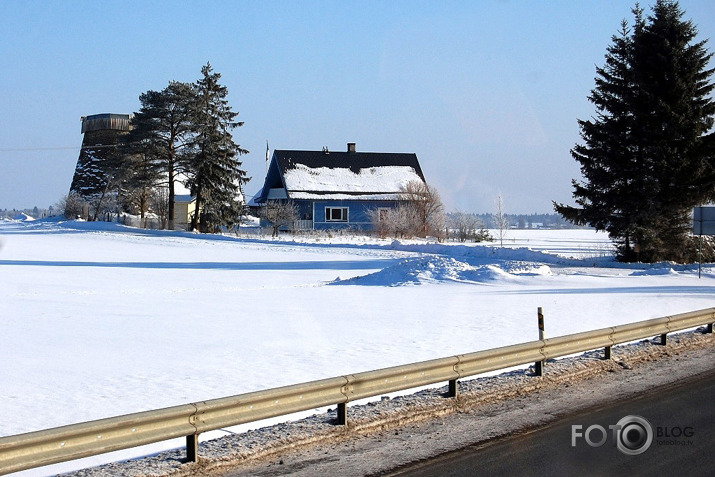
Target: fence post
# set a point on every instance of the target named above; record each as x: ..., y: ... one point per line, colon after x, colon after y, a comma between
x: 539, y: 365
x: 192, y: 448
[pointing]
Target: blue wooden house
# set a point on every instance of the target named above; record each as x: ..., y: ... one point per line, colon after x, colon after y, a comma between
x: 334, y: 190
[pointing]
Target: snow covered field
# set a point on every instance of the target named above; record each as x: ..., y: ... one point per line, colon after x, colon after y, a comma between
x: 100, y: 320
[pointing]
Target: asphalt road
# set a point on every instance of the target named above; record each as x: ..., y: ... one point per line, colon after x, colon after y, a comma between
x: 681, y: 418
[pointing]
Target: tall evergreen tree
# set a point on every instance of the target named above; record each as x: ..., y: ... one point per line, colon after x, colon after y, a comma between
x: 647, y: 157
x: 675, y: 114
x: 144, y: 171
x: 165, y: 121
x: 216, y: 177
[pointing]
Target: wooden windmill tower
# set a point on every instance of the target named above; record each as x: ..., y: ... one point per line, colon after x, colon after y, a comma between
x: 92, y: 174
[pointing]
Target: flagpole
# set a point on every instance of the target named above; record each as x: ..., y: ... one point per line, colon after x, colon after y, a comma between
x: 266, y: 156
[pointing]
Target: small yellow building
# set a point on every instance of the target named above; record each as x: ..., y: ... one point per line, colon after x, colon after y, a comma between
x: 184, y: 209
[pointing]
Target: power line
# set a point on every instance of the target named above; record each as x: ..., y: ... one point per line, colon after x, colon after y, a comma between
x: 54, y: 148
x: 28, y: 149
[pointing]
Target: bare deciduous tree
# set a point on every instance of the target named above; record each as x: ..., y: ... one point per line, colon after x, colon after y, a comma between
x: 465, y: 227
x: 400, y: 221
x: 71, y: 205
x: 279, y: 213
x: 427, y: 205
x: 500, y: 219
x: 380, y: 218
x: 159, y: 204
x: 420, y: 213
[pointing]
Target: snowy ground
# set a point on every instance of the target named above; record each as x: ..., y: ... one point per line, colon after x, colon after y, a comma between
x: 101, y: 320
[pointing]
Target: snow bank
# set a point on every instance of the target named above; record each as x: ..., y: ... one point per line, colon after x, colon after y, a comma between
x: 434, y: 269
x: 23, y: 218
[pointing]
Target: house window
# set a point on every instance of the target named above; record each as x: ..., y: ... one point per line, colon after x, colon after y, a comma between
x: 336, y: 214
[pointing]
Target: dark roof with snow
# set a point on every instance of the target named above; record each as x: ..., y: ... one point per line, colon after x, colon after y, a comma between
x: 354, y: 161
x: 340, y: 175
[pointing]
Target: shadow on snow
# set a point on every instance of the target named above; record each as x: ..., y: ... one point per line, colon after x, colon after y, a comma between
x: 299, y: 265
x: 669, y: 290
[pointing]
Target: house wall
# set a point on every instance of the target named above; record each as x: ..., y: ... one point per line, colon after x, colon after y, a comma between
x: 358, y: 216
x: 305, y: 209
x: 183, y: 212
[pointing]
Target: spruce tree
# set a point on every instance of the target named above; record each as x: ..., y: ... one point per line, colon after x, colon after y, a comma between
x: 143, y: 170
x: 165, y: 122
x: 647, y: 157
x: 215, y: 177
x: 674, y: 114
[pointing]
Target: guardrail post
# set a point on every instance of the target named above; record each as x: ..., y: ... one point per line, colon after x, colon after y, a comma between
x: 709, y: 328
x: 607, y: 352
x: 539, y: 365
x: 192, y: 448
x: 342, y: 413
x: 664, y: 339
x: 452, y: 391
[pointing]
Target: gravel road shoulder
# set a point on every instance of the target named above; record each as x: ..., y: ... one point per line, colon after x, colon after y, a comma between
x: 390, y: 433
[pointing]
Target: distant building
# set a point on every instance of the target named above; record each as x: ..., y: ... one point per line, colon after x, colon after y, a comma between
x: 184, y: 210
x: 334, y: 190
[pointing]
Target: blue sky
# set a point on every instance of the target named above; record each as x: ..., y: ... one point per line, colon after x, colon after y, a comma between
x: 487, y: 93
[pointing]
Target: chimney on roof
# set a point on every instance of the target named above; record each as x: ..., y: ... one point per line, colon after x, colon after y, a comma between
x: 351, y: 147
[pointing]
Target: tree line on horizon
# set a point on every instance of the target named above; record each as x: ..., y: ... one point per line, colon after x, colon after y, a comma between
x: 181, y: 133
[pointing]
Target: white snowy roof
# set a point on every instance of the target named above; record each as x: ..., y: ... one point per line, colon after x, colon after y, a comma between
x: 338, y: 196
x: 369, y: 181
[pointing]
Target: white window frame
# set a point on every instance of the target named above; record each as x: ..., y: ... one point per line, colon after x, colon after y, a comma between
x: 344, y: 214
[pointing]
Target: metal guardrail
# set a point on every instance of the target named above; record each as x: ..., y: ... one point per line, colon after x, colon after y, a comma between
x: 35, y: 449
